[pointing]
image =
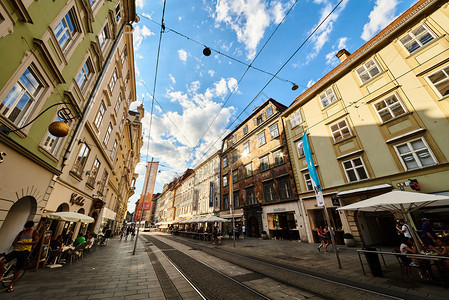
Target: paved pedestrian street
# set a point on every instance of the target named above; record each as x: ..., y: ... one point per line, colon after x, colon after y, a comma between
x: 112, y: 272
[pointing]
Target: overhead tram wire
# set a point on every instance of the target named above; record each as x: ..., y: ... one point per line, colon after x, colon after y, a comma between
x: 221, y: 53
x: 151, y: 121
x: 244, y: 73
x: 165, y: 113
x: 288, y: 60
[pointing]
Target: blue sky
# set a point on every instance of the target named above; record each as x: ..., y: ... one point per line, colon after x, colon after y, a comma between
x: 191, y: 89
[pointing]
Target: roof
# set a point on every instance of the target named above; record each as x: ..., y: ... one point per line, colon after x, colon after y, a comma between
x: 280, y: 106
x: 384, y: 36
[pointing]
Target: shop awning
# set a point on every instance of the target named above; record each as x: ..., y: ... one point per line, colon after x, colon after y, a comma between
x: 365, y: 189
x: 70, y: 217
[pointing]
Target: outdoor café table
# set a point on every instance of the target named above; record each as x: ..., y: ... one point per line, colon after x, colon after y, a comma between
x: 435, y: 259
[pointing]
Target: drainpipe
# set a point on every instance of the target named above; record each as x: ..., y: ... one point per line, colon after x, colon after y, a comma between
x: 88, y: 106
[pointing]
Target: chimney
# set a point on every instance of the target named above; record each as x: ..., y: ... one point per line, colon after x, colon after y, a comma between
x: 342, y: 54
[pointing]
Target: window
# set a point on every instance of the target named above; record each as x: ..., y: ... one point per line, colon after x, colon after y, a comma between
x: 225, y: 180
x: 127, y: 79
x: 117, y: 12
x: 225, y: 145
x: 234, y: 139
x: 284, y: 188
x: 250, y: 196
x: 81, y: 160
x: 225, y: 202
x: 355, y: 169
x: 308, y: 182
x: 108, y: 134
x: 245, y: 129
x: 340, y: 131
x: 117, y: 105
x: 51, y: 143
x: 264, y: 163
x: 225, y: 162
x: 103, y: 36
x: 123, y: 55
x: 114, y: 149
x: 261, y: 139
x: 122, y: 123
x: 249, y: 170
x: 234, y: 156
x: 415, y: 154
x: 296, y: 118
x: 274, y: 131
x: 389, y: 108
x: 300, y: 148
x: 65, y: 30
x: 259, y: 120
x: 368, y: 70
x: 84, y: 75
x: 235, y: 176
x: 417, y: 38
x: 269, y: 111
x: 113, y: 81
x: 21, y: 99
x: 100, y: 115
x: 246, y: 148
x: 440, y: 81
x: 268, y: 190
x: 278, y: 157
x: 328, y: 97
x: 93, y: 173
x: 236, y: 199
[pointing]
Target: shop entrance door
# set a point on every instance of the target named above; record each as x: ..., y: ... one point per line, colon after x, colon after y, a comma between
x: 254, y: 227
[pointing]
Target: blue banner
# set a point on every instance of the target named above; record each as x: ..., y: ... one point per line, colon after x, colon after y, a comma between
x: 312, y: 171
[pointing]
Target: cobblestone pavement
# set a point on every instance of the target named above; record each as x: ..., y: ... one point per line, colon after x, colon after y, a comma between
x: 112, y: 272
x: 307, y: 257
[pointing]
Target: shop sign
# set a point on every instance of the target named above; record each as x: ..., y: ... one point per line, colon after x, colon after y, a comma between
x: 335, y: 201
x: 75, y: 199
x: 279, y: 209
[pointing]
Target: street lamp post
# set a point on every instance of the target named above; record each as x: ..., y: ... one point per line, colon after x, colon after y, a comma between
x: 231, y: 205
x: 143, y: 205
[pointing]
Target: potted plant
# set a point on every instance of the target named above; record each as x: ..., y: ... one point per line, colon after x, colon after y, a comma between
x: 264, y: 235
x: 349, y: 240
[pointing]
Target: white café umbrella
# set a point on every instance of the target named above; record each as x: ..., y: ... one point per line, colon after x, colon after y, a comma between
x: 401, y: 202
x: 70, y: 217
x: 212, y: 219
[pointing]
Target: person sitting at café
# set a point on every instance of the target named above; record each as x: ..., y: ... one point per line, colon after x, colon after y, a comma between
x: 56, y: 247
x: 442, y: 246
x: 409, y: 247
x: 90, y: 240
x: 79, y: 240
x: 67, y: 238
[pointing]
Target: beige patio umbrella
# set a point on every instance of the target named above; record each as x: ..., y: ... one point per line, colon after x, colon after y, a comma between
x: 401, y: 202
x: 70, y: 217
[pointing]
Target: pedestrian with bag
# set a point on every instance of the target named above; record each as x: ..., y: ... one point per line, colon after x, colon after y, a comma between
x: 23, y: 244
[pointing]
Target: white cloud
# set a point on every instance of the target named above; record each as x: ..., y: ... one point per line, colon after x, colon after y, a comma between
x: 198, y: 107
x: 182, y: 55
x: 179, y: 18
x: 139, y: 34
x: 249, y: 19
x: 211, y: 73
x: 382, y: 14
x: 140, y: 3
x: 342, y: 43
x: 322, y: 34
x: 172, y: 79
x: 310, y: 83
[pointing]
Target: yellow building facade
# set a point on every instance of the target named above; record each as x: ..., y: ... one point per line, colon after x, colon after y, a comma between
x: 375, y: 122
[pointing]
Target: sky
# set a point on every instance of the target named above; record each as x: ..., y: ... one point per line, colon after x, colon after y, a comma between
x: 199, y: 99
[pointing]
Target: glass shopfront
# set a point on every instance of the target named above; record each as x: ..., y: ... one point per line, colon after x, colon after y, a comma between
x: 283, y: 226
x: 317, y: 218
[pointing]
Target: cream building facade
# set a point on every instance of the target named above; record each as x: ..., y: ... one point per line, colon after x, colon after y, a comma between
x: 377, y: 120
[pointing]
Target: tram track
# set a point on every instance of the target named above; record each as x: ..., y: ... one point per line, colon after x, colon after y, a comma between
x: 304, y: 280
x: 208, y: 282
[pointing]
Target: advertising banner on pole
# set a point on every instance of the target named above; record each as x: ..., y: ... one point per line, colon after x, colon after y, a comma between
x: 312, y: 171
x: 150, y: 181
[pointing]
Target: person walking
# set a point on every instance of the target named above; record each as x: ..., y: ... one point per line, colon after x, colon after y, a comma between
x: 23, y: 244
x: 405, y: 230
x: 244, y: 231
x: 321, y: 238
x: 327, y: 238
